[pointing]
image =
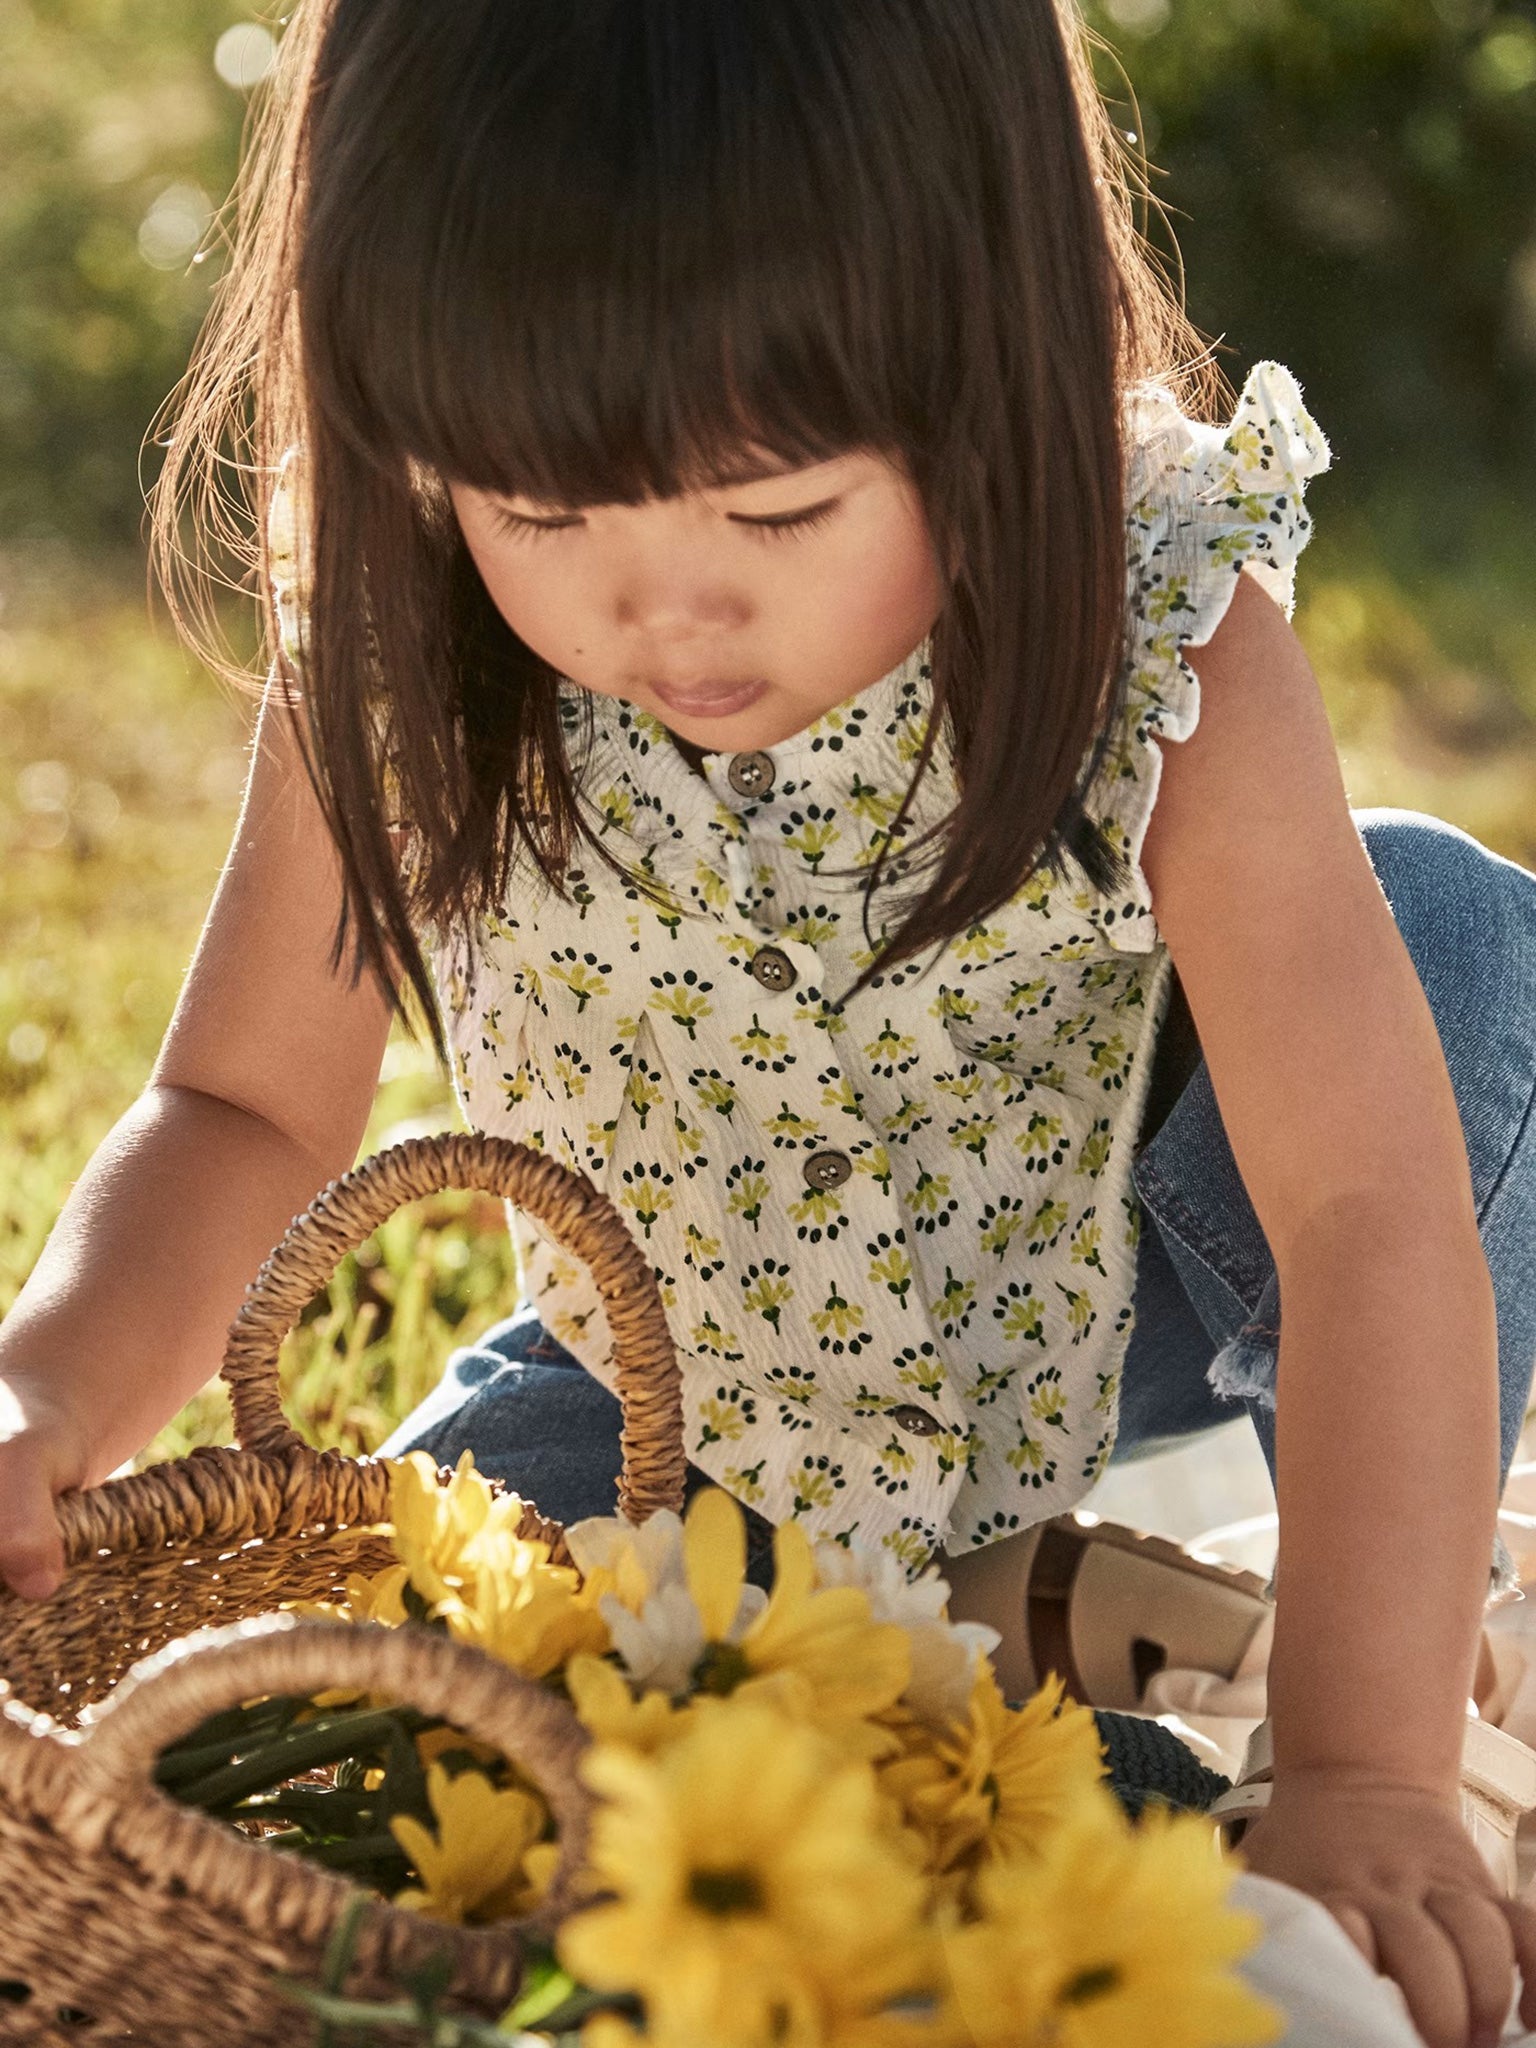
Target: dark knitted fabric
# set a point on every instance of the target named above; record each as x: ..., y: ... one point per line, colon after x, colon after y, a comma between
x: 1146, y: 1762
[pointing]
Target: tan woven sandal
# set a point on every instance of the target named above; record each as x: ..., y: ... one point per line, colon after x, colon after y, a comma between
x: 1498, y: 1784
x: 1105, y: 1607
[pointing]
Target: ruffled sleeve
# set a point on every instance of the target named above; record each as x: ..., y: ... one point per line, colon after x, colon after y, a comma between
x: 287, y: 559
x: 1203, y: 503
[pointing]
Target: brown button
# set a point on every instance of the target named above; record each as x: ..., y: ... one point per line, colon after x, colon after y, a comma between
x: 827, y: 1169
x: 751, y: 774
x: 773, y: 970
x: 917, y: 1420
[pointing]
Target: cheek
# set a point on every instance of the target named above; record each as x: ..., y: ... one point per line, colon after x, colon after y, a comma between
x: 898, y: 584
x: 531, y: 598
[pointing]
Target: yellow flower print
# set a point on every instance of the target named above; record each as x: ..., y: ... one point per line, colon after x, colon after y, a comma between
x: 893, y: 1271
x: 813, y: 840
x: 723, y: 1421
x: 840, y: 1094
x: 982, y: 943
x: 786, y: 1124
x: 712, y: 886
x: 1048, y: 1404
x: 643, y: 1091
x: 910, y: 1547
x: 768, y: 1294
x: 1110, y: 1060
x: 816, y: 1207
x: 709, y: 1337
x: 953, y: 1006
x: 964, y: 1086
x: 760, y: 1047
x: 746, y: 1482
x: 1085, y: 1244
x: 836, y: 1316
x: 583, y: 975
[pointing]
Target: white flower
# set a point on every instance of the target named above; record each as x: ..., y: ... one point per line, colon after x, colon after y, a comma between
x: 652, y: 1617
x: 643, y: 1558
x: 945, y: 1653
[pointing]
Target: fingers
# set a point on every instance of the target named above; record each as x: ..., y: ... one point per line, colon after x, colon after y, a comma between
x: 1418, y: 1953
x: 31, y: 1547
x: 1481, y: 1932
x: 1357, y: 1926
x: 1522, y: 1926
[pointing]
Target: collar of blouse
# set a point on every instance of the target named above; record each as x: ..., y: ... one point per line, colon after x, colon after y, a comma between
x: 823, y: 800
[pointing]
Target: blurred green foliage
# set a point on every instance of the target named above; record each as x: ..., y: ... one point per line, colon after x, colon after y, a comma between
x: 1351, y: 183
x: 118, y: 139
x: 1353, y: 188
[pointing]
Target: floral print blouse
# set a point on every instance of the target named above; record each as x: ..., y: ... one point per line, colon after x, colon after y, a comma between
x: 896, y: 1239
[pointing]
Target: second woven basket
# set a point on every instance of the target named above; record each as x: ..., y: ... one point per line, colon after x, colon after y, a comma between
x: 126, y: 1914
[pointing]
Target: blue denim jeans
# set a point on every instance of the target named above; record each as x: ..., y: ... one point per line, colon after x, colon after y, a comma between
x: 1207, y: 1297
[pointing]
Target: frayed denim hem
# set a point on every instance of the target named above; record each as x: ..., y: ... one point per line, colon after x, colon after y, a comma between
x: 1244, y: 1370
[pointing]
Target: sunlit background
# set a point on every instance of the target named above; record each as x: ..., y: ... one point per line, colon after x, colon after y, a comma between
x: 1352, y: 184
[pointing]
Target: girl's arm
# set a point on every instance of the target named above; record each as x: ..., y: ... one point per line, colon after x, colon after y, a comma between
x: 1334, y: 1092
x: 260, y: 1095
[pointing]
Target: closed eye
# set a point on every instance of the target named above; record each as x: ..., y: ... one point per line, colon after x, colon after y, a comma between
x: 791, y: 522
x: 779, y: 523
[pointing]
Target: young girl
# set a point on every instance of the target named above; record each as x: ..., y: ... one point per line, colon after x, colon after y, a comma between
x: 752, y: 525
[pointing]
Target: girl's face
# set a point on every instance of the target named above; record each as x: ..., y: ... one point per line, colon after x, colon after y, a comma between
x: 736, y: 615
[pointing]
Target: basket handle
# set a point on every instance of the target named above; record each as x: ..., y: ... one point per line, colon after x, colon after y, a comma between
x: 166, y: 1696
x: 577, y: 1214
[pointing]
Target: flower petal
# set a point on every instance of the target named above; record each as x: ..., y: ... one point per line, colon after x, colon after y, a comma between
x: 715, y: 1549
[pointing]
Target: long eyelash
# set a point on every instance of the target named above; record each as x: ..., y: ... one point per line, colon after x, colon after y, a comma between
x: 774, y: 528
x: 771, y: 529
x: 524, y: 529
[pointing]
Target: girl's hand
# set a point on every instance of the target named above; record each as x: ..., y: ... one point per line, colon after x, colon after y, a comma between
x: 1398, y: 1870
x: 42, y: 1452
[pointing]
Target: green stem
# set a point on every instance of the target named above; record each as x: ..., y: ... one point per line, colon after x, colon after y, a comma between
x: 309, y: 1806
x: 221, y: 1739
x: 308, y: 1748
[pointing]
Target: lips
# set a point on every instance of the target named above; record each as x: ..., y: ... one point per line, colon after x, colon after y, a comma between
x: 711, y: 697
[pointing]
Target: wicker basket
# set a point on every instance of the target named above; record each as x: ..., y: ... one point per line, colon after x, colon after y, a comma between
x: 127, y: 1915
x: 115, y: 1902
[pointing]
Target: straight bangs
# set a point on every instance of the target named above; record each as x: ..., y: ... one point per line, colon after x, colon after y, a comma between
x: 627, y: 245
x: 617, y: 250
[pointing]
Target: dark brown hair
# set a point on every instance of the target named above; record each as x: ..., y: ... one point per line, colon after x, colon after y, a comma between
x: 586, y: 250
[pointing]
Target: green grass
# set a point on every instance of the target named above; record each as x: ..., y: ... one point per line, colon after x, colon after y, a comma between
x: 120, y: 772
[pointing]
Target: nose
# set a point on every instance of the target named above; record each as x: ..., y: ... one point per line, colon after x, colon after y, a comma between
x: 676, y: 588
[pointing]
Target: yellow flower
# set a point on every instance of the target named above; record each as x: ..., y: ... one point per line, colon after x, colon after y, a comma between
x: 522, y: 1609
x: 461, y: 1554
x: 995, y: 1785
x: 607, y: 1707
x: 1110, y: 1935
x: 759, y: 1895
x: 683, y: 1618
x: 379, y: 1598
x: 815, y: 1647
x: 487, y: 1859
x: 442, y: 1533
